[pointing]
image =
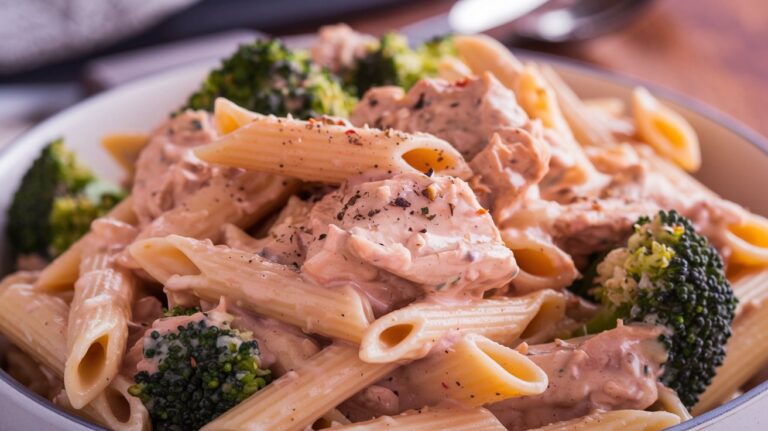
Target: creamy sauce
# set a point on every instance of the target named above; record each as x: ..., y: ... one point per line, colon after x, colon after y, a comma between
x: 429, y: 232
x: 616, y: 369
x: 464, y: 113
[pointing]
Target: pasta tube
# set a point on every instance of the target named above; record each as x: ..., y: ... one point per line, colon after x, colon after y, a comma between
x: 412, y: 331
x: 538, y: 99
x: 330, y: 153
x: 751, y: 289
x: 586, y: 128
x: 669, y: 401
x: 98, y: 327
x: 248, y: 199
x: 482, y: 53
x: 125, y: 148
x: 430, y: 419
x: 37, y: 324
x: 748, y: 241
x: 665, y: 130
x: 228, y: 116
x: 63, y: 272
x: 617, y: 420
x: 475, y: 371
x: 254, y: 283
x: 297, y: 399
x: 542, y: 264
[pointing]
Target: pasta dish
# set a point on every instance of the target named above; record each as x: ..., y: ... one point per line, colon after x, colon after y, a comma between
x: 367, y: 235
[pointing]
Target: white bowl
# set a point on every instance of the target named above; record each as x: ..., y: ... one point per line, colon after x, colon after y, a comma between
x: 734, y: 165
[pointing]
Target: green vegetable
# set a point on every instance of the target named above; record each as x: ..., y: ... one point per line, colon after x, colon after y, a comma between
x: 669, y: 275
x: 392, y: 62
x: 268, y: 78
x: 178, y: 310
x: 203, y: 371
x: 56, y: 202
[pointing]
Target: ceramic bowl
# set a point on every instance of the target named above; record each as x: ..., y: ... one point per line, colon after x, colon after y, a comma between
x: 735, y: 162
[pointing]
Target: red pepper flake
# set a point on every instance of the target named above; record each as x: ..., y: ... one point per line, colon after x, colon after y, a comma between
x: 193, y: 362
x: 481, y: 211
x: 461, y: 82
x: 444, y: 385
x: 351, y: 132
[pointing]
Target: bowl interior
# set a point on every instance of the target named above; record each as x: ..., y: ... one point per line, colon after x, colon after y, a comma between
x: 734, y: 161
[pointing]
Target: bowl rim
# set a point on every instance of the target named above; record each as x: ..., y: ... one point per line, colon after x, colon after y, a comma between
x: 701, y: 108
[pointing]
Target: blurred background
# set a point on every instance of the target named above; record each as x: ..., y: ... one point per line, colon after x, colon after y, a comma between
x: 53, y: 53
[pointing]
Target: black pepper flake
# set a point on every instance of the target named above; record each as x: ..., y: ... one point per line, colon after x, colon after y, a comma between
x: 196, y: 125
x: 424, y: 210
x: 401, y: 202
x: 423, y: 230
x: 372, y: 213
x: 431, y: 217
x: 451, y: 207
x: 349, y: 203
x: 419, y: 103
x: 322, y: 236
x: 429, y: 172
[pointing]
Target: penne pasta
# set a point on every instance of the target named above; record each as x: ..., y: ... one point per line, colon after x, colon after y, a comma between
x: 539, y: 100
x: 665, y: 130
x: 125, y: 148
x: 748, y: 241
x: 482, y: 53
x: 475, y: 371
x: 297, y: 399
x: 331, y: 153
x: 228, y: 117
x: 612, y: 106
x: 97, y: 331
x: 62, y: 273
x: 542, y: 264
x: 252, y: 282
x: 669, y: 402
x: 431, y: 419
x: 751, y: 289
x: 617, y: 420
x: 114, y: 408
x: 586, y: 128
x: 37, y: 324
x: 453, y: 69
x: 245, y: 201
x: 412, y: 331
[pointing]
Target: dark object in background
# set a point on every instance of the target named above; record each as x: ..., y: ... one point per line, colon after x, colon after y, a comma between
x: 210, y: 16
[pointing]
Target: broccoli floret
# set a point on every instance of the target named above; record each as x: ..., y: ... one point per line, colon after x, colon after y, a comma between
x: 178, y: 310
x: 393, y: 62
x: 56, y: 202
x: 267, y: 77
x: 203, y: 370
x: 669, y: 275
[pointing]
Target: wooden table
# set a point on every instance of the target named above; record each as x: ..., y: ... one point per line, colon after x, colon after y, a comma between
x: 713, y: 50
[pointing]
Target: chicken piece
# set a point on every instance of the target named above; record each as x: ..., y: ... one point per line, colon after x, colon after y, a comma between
x: 615, y: 369
x: 402, y: 237
x: 337, y: 47
x: 465, y: 113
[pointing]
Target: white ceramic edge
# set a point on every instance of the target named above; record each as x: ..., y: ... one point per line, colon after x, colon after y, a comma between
x: 21, y: 409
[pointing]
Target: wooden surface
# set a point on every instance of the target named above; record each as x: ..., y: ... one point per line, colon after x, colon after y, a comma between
x: 713, y: 50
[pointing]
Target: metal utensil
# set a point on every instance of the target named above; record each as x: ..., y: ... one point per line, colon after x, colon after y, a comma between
x: 551, y: 21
